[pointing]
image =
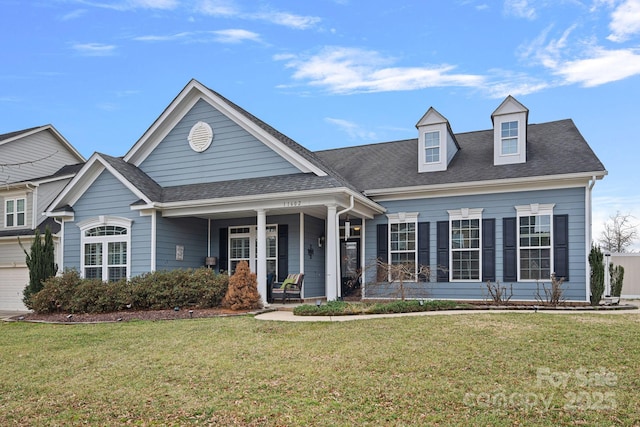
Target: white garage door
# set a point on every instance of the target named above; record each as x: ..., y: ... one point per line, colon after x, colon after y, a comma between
x: 12, y: 282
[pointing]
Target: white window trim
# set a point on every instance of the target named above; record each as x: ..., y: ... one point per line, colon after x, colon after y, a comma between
x: 461, y: 214
x: 99, y: 221
x: 403, y: 218
x: 503, y: 139
x: 424, y: 147
x: 15, y: 211
x: 535, y: 209
x: 252, y: 235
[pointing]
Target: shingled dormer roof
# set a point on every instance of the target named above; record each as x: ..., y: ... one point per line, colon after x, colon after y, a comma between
x: 554, y: 148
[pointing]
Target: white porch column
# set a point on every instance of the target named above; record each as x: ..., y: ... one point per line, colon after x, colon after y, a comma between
x: 331, y: 245
x: 261, y: 262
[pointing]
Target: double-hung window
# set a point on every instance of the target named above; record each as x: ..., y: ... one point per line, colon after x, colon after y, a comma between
x: 509, y: 138
x: 432, y: 147
x: 465, y: 226
x: 403, y: 238
x: 535, y: 242
x: 243, y: 246
x: 106, y: 249
x: 15, y: 212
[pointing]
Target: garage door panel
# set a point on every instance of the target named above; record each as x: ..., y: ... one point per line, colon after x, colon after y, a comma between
x: 13, y: 280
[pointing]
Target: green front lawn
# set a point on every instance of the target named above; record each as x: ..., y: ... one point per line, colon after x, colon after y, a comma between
x: 465, y: 369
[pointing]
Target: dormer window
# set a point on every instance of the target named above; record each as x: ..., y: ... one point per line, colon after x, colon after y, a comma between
x: 510, y: 132
x: 432, y: 147
x: 509, y: 137
x: 436, y: 143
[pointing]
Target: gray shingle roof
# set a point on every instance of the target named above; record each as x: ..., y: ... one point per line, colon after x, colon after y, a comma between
x: 553, y: 148
x: 135, y: 176
x: 214, y: 190
x: 250, y: 187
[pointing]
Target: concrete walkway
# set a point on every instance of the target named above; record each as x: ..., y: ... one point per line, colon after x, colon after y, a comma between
x: 286, y: 314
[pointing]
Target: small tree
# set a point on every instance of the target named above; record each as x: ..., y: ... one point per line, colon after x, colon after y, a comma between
x: 597, y: 274
x: 41, y: 262
x: 619, y: 233
x: 616, y: 275
x: 243, y: 289
x: 401, y: 273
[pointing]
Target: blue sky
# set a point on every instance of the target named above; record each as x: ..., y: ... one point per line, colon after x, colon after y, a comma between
x: 330, y: 73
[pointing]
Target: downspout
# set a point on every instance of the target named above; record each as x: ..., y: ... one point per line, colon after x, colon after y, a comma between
x: 337, y: 219
x: 588, y: 237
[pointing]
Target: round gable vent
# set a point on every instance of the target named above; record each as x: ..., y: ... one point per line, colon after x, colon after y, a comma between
x: 200, y: 137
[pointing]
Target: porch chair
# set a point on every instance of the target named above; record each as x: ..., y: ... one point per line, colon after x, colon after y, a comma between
x: 290, y: 287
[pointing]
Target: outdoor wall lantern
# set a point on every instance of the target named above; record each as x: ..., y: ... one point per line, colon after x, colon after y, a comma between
x: 310, y: 251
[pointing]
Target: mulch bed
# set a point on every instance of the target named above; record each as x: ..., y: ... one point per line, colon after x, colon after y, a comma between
x: 123, y: 316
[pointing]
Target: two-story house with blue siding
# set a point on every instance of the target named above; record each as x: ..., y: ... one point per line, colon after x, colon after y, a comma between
x: 209, y: 183
x: 35, y: 165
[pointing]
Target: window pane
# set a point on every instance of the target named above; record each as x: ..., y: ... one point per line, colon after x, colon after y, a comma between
x: 509, y: 146
x: 9, y: 220
x: 117, y: 253
x: 93, y: 272
x: 535, y: 264
x: 93, y: 254
x: 432, y: 147
x: 10, y: 206
x: 466, y: 265
x: 509, y: 129
x: 117, y: 273
x: 20, y: 205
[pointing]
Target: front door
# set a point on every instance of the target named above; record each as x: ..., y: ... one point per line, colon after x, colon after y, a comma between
x: 350, y: 267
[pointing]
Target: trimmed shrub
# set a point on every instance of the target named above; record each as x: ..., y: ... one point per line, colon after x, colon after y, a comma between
x: 597, y: 275
x: 56, y: 293
x: 342, y: 308
x: 616, y: 273
x: 201, y: 288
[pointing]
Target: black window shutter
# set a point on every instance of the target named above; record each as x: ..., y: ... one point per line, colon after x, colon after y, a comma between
x: 489, y: 250
x: 283, y: 251
x: 223, y: 250
x: 561, y: 246
x: 423, y: 249
x: 443, y: 251
x: 510, y: 249
x: 382, y: 248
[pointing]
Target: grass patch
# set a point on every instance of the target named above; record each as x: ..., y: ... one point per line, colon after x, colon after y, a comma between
x: 240, y: 371
x: 343, y: 308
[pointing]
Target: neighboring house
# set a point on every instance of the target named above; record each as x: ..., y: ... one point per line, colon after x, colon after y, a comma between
x: 35, y: 165
x: 210, y: 181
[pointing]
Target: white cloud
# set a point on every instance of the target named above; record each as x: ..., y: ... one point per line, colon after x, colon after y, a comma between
x: 75, y: 14
x: 94, y: 49
x: 625, y: 21
x: 290, y: 20
x: 228, y: 8
x: 220, y: 36
x: 133, y: 4
x: 218, y: 7
x: 520, y: 9
x: 352, y: 70
x: 236, y: 36
x: 352, y: 129
x: 603, y: 66
x: 165, y: 38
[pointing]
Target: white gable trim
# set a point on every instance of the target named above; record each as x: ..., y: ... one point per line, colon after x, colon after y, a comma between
x: 85, y: 178
x: 192, y: 93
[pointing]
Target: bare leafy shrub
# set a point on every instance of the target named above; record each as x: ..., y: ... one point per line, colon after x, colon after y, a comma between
x: 553, y: 295
x: 498, y: 294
